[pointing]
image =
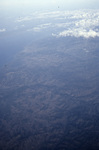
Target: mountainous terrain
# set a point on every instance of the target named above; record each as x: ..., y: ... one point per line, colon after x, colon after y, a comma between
x: 49, y: 96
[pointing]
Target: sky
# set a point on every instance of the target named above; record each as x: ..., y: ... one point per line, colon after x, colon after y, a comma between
x: 49, y: 4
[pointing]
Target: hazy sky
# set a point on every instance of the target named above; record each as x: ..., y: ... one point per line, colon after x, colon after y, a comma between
x: 62, y: 4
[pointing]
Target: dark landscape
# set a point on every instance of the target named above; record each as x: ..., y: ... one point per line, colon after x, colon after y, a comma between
x: 49, y: 96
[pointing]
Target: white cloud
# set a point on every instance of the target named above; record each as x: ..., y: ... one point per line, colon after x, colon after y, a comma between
x: 36, y: 29
x: 78, y: 33
x: 81, y: 24
x: 19, y: 27
x: 52, y: 14
x: 40, y: 27
x: 2, y: 30
x: 22, y: 19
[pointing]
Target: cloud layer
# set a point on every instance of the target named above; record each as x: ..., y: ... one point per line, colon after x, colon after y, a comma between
x: 78, y: 33
x: 83, y: 24
x: 78, y: 23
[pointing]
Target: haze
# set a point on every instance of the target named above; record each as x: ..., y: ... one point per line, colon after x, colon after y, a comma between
x: 49, y: 4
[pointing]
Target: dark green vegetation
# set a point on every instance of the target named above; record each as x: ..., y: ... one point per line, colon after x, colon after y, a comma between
x: 49, y: 96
